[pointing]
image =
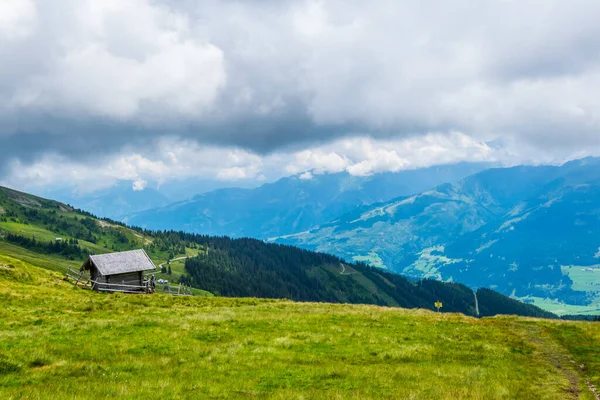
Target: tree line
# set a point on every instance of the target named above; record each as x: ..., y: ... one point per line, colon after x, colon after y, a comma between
x: 250, y: 267
x: 67, y: 248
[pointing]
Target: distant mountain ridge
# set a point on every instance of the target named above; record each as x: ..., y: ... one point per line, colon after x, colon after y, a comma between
x: 513, y: 229
x: 293, y: 204
x: 114, y: 202
x: 121, y: 199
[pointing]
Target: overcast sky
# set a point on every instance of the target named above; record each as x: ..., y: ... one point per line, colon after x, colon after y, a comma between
x: 153, y: 90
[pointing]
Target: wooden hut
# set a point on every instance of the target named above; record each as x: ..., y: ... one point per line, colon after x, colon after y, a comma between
x: 118, y: 272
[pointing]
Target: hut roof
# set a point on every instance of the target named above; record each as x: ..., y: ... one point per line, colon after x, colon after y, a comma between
x: 121, y: 263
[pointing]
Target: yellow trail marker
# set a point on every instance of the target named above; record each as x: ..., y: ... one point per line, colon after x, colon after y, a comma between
x: 438, y: 305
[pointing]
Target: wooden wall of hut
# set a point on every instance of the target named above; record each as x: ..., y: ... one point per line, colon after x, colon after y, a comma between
x: 131, y: 278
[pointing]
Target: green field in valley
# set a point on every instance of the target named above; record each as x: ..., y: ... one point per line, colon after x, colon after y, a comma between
x: 560, y: 308
x: 585, y: 278
x: 58, y: 341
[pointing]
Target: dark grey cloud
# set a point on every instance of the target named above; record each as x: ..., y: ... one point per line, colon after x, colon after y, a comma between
x: 85, y: 82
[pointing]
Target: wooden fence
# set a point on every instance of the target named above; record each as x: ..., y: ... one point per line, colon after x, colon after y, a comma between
x: 82, y: 279
x: 179, y: 290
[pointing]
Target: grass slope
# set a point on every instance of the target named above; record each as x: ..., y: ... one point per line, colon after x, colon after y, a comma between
x: 60, y: 341
x: 45, y: 220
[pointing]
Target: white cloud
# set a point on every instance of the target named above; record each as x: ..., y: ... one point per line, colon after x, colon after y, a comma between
x: 139, y: 185
x: 18, y: 19
x: 366, y: 156
x: 232, y: 174
x: 321, y: 86
x: 122, y: 60
x: 175, y: 159
x: 382, y: 160
x: 172, y: 157
x: 155, y: 165
x: 392, y: 68
x: 319, y: 160
x: 306, y: 176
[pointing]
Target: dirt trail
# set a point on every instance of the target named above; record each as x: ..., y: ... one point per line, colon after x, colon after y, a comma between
x: 558, y: 357
x: 590, y: 386
x: 174, y: 259
x: 343, y: 272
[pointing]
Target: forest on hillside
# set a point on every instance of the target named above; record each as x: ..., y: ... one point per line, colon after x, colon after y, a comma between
x: 249, y: 267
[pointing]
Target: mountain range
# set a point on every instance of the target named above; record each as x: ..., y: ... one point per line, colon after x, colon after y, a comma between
x: 113, y: 202
x: 122, y: 199
x: 292, y: 204
x: 530, y: 232
x: 527, y: 231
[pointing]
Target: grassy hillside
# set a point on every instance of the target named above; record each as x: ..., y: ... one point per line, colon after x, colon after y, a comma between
x: 30, y: 225
x: 44, y: 220
x: 59, y: 341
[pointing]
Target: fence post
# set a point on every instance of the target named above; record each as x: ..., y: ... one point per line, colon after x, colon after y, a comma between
x: 78, y: 278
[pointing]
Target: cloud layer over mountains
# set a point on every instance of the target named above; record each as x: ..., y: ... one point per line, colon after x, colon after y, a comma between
x: 252, y: 86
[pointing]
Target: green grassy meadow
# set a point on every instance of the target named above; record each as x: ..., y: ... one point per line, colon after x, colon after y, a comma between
x: 584, y: 278
x: 58, y: 341
x: 560, y: 308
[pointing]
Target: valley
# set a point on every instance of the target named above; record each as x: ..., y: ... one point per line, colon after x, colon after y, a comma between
x: 511, y: 229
